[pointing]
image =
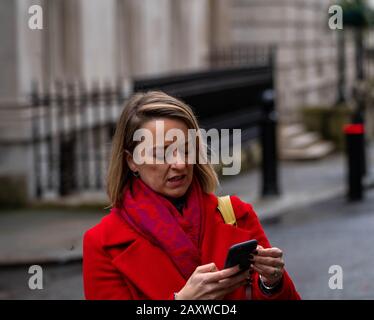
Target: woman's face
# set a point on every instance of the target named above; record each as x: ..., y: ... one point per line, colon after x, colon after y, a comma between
x: 169, y: 179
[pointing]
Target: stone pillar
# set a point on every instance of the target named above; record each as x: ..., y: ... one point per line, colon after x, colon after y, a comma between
x: 165, y: 36
x: 62, y: 40
x: 98, y: 30
x: 8, y: 58
x: 190, y: 32
x: 148, y: 26
x: 21, y: 62
x: 122, y: 40
x: 29, y: 49
x: 72, y: 37
x: 219, y: 26
x: 54, y: 44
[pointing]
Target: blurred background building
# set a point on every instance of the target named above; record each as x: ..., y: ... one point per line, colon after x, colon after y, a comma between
x: 111, y: 42
x: 62, y: 89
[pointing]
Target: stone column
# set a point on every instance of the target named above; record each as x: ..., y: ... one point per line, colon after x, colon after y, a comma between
x: 62, y: 40
x: 219, y: 28
x: 190, y: 34
x: 122, y: 38
x: 148, y: 25
x: 21, y: 62
x: 54, y: 44
x: 8, y: 57
x: 166, y: 35
x: 98, y: 31
x: 72, y: 38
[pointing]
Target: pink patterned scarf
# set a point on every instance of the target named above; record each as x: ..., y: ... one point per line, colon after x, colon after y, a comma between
x: 155, y: 218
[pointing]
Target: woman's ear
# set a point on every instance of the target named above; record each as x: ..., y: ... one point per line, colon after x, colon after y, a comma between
x: 130, y: 162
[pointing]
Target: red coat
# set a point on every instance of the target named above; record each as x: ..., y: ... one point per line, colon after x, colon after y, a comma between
x: 120, y: 264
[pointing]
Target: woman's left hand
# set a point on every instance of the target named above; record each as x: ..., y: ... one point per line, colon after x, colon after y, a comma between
x: 269, y: 264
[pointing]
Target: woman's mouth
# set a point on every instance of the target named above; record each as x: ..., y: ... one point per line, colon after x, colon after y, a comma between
x: 177, y: 181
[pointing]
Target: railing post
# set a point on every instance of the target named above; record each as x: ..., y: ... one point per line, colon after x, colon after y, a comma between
x: 355, y: 148
x: 359, y: 118
x: 355, y: 144
x: 269, y: 165
x: 35, y: 103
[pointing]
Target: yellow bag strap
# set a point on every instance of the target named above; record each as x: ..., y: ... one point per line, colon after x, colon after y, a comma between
x: 226, y: 209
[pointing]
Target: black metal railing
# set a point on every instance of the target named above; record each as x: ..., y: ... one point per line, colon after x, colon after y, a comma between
x: 72, y: 128
x: 241, y: 55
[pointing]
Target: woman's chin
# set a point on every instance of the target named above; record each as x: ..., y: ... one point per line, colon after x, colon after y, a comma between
x: 175, y: 192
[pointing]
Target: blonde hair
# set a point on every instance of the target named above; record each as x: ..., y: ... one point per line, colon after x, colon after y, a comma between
x: 140, y: 108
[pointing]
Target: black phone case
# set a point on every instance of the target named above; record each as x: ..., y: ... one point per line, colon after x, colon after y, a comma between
x: 239, y: 254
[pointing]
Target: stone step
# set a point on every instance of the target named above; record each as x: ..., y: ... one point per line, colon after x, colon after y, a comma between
x: 301, y: 141
x: 313, y: 152
x: 292, y: 130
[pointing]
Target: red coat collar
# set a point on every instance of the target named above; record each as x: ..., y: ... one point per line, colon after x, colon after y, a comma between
x: 115, y: 231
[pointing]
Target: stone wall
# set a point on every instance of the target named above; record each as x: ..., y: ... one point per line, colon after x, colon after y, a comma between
x: 307, y: 48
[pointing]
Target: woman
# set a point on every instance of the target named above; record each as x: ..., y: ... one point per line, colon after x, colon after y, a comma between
x: 164, y: 237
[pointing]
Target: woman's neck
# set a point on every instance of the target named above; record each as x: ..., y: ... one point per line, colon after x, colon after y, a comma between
x: 178, y: 203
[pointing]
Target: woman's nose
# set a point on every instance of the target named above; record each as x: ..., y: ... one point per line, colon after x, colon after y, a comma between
x: 179, y: 161
x: 178, y: 165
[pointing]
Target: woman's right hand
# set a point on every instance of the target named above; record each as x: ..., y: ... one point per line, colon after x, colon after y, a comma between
x: 209, y: 283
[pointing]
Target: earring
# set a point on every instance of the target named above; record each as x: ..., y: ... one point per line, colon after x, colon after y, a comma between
x: 135, y: 174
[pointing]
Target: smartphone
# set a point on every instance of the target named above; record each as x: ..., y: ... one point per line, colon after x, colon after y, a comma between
x: 238, y: 254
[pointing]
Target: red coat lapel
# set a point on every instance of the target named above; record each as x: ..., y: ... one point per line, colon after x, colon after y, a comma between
x: 142, y: 264
x: 139, y: 261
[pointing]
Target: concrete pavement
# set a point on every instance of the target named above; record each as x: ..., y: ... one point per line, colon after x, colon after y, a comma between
x: 326, y: 234
x: 43, y: 236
